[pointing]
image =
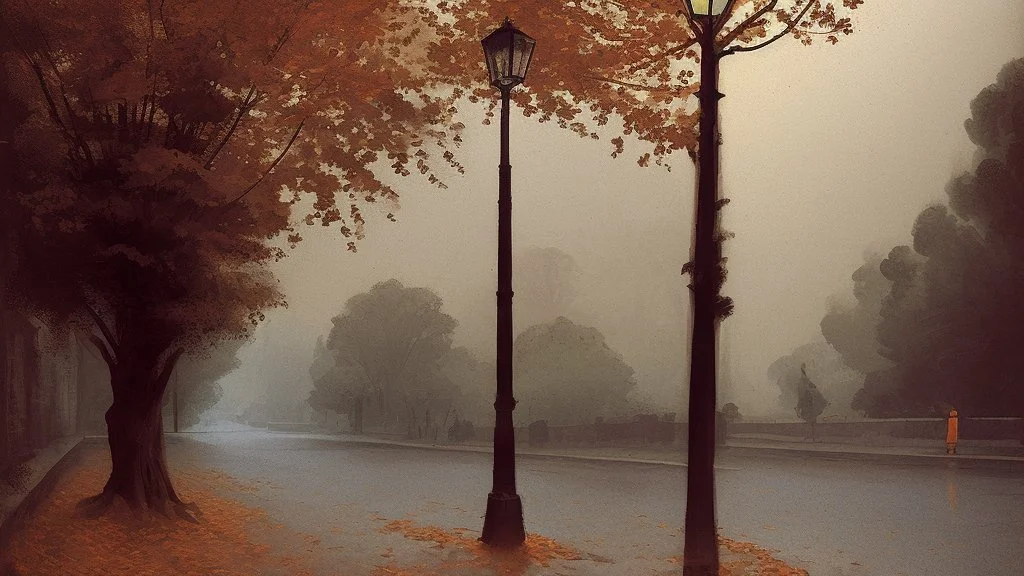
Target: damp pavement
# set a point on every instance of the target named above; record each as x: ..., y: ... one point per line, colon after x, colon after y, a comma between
x: 830, y: 517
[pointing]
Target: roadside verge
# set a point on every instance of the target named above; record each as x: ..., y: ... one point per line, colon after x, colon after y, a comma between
x: 43, y: 471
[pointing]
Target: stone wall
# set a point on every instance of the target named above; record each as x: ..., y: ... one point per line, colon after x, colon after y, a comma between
x: 38, y: 387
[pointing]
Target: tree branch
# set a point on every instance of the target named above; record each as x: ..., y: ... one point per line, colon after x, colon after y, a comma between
x: 243, y: 109
x: 108, y: 357
x: 789, y: 28
x: 165, y: 374
x: 735, y: 32
x: 286, y: 34
x: 270, y: 168
x: 105, y: 330
x: 51, y: 104
x: 633, y: 85
x: 645, y: 62
x: 163, y: 23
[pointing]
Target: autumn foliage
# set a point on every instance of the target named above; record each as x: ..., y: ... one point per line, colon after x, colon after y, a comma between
x: 632, y: 62
x: 157, y: 152
x: 57, y: 542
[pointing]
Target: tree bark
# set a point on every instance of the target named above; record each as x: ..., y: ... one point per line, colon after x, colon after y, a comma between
x: 135, y: 436
x: 700, y: 538
x: 139, y: 469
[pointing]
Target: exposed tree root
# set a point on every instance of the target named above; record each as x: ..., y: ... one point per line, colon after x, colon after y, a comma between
x: 98, y: 505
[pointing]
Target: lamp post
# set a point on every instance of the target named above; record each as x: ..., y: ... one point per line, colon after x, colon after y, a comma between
x: 507, y: 52
x: 700, y: 548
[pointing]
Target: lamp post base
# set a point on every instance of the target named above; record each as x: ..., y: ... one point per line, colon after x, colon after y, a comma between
x: 503, y: 522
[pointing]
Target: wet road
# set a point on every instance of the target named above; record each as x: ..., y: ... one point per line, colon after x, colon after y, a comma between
x: 832, y: 518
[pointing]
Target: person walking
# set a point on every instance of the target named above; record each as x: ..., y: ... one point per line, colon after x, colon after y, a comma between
x: 952, y: 431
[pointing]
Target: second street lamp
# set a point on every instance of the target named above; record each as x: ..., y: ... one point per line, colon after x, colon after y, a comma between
x: 507, y: 51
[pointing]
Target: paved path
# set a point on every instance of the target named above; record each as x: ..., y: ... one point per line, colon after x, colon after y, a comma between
x: 834, y: 518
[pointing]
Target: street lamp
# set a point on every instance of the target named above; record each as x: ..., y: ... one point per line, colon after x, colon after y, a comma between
x: 700, y: 546
x: 707, y: 7
x: 507, y: 52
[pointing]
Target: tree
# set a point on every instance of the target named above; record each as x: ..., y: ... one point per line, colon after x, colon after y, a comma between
x: 196, y: 377
x: 835, y: 378
x: 388, y: 345
x: 731, y: 412
x: 473, y: 382
x: 161, y: 151
x: 852, y: 330
x: 951, y: 324
x: 567, y: 374
x: 546, y: 285
x: 811, y: 403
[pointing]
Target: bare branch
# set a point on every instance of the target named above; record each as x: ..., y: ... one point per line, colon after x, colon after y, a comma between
x: 271, y: 167
x: 757, y: 15
x: 286, y: 34
x: 83, y: 341
x: 247, y: 103
x: 50, y: 103
x: 634, y: 85
x: 108, y: 356
x: 165, y: 374
x: 104, y: 329
x: 646, y: 62
x: 789, y: 28
x: 163, y: 23
x: 152, y: 37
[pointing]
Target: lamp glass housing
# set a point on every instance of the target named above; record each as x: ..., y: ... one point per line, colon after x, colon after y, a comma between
x: 707, y: 7
x: 507, y: 52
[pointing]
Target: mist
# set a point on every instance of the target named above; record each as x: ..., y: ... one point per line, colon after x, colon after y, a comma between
x: 811, y: 188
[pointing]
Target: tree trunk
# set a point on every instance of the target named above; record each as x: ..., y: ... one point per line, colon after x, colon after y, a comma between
x: 700, y: 537
x: 136, y: 438
x: 139, y: 469
x: 357, y: 415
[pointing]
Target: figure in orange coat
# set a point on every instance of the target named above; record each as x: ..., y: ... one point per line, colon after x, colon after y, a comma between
x: 952, y: 431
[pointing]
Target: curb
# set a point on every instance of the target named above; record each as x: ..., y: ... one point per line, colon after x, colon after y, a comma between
x: 15, y: 520
x: 1007, y: 463
x: 744, y: 450
x: 487, y: 450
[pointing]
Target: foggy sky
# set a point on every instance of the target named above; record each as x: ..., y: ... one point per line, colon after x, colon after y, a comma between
x: 827, y: 150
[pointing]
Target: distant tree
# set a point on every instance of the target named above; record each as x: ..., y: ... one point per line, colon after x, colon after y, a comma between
x: 566, y: 374
x: 811, y: 402
x: 323, y: 360
x: 835, y: 378
x: 197, y: 376
x: 546, y: 285
x: 473, y: 380
x: 853, y: 329
x: 387, y: 347
x: 951, y: 324
x: 731, y: 412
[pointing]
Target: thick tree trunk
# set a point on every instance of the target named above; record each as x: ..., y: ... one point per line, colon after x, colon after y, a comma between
x: 139, y: 469
x: 135, y: 435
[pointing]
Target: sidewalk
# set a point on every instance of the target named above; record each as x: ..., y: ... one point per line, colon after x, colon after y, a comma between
x: 35, y: 479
